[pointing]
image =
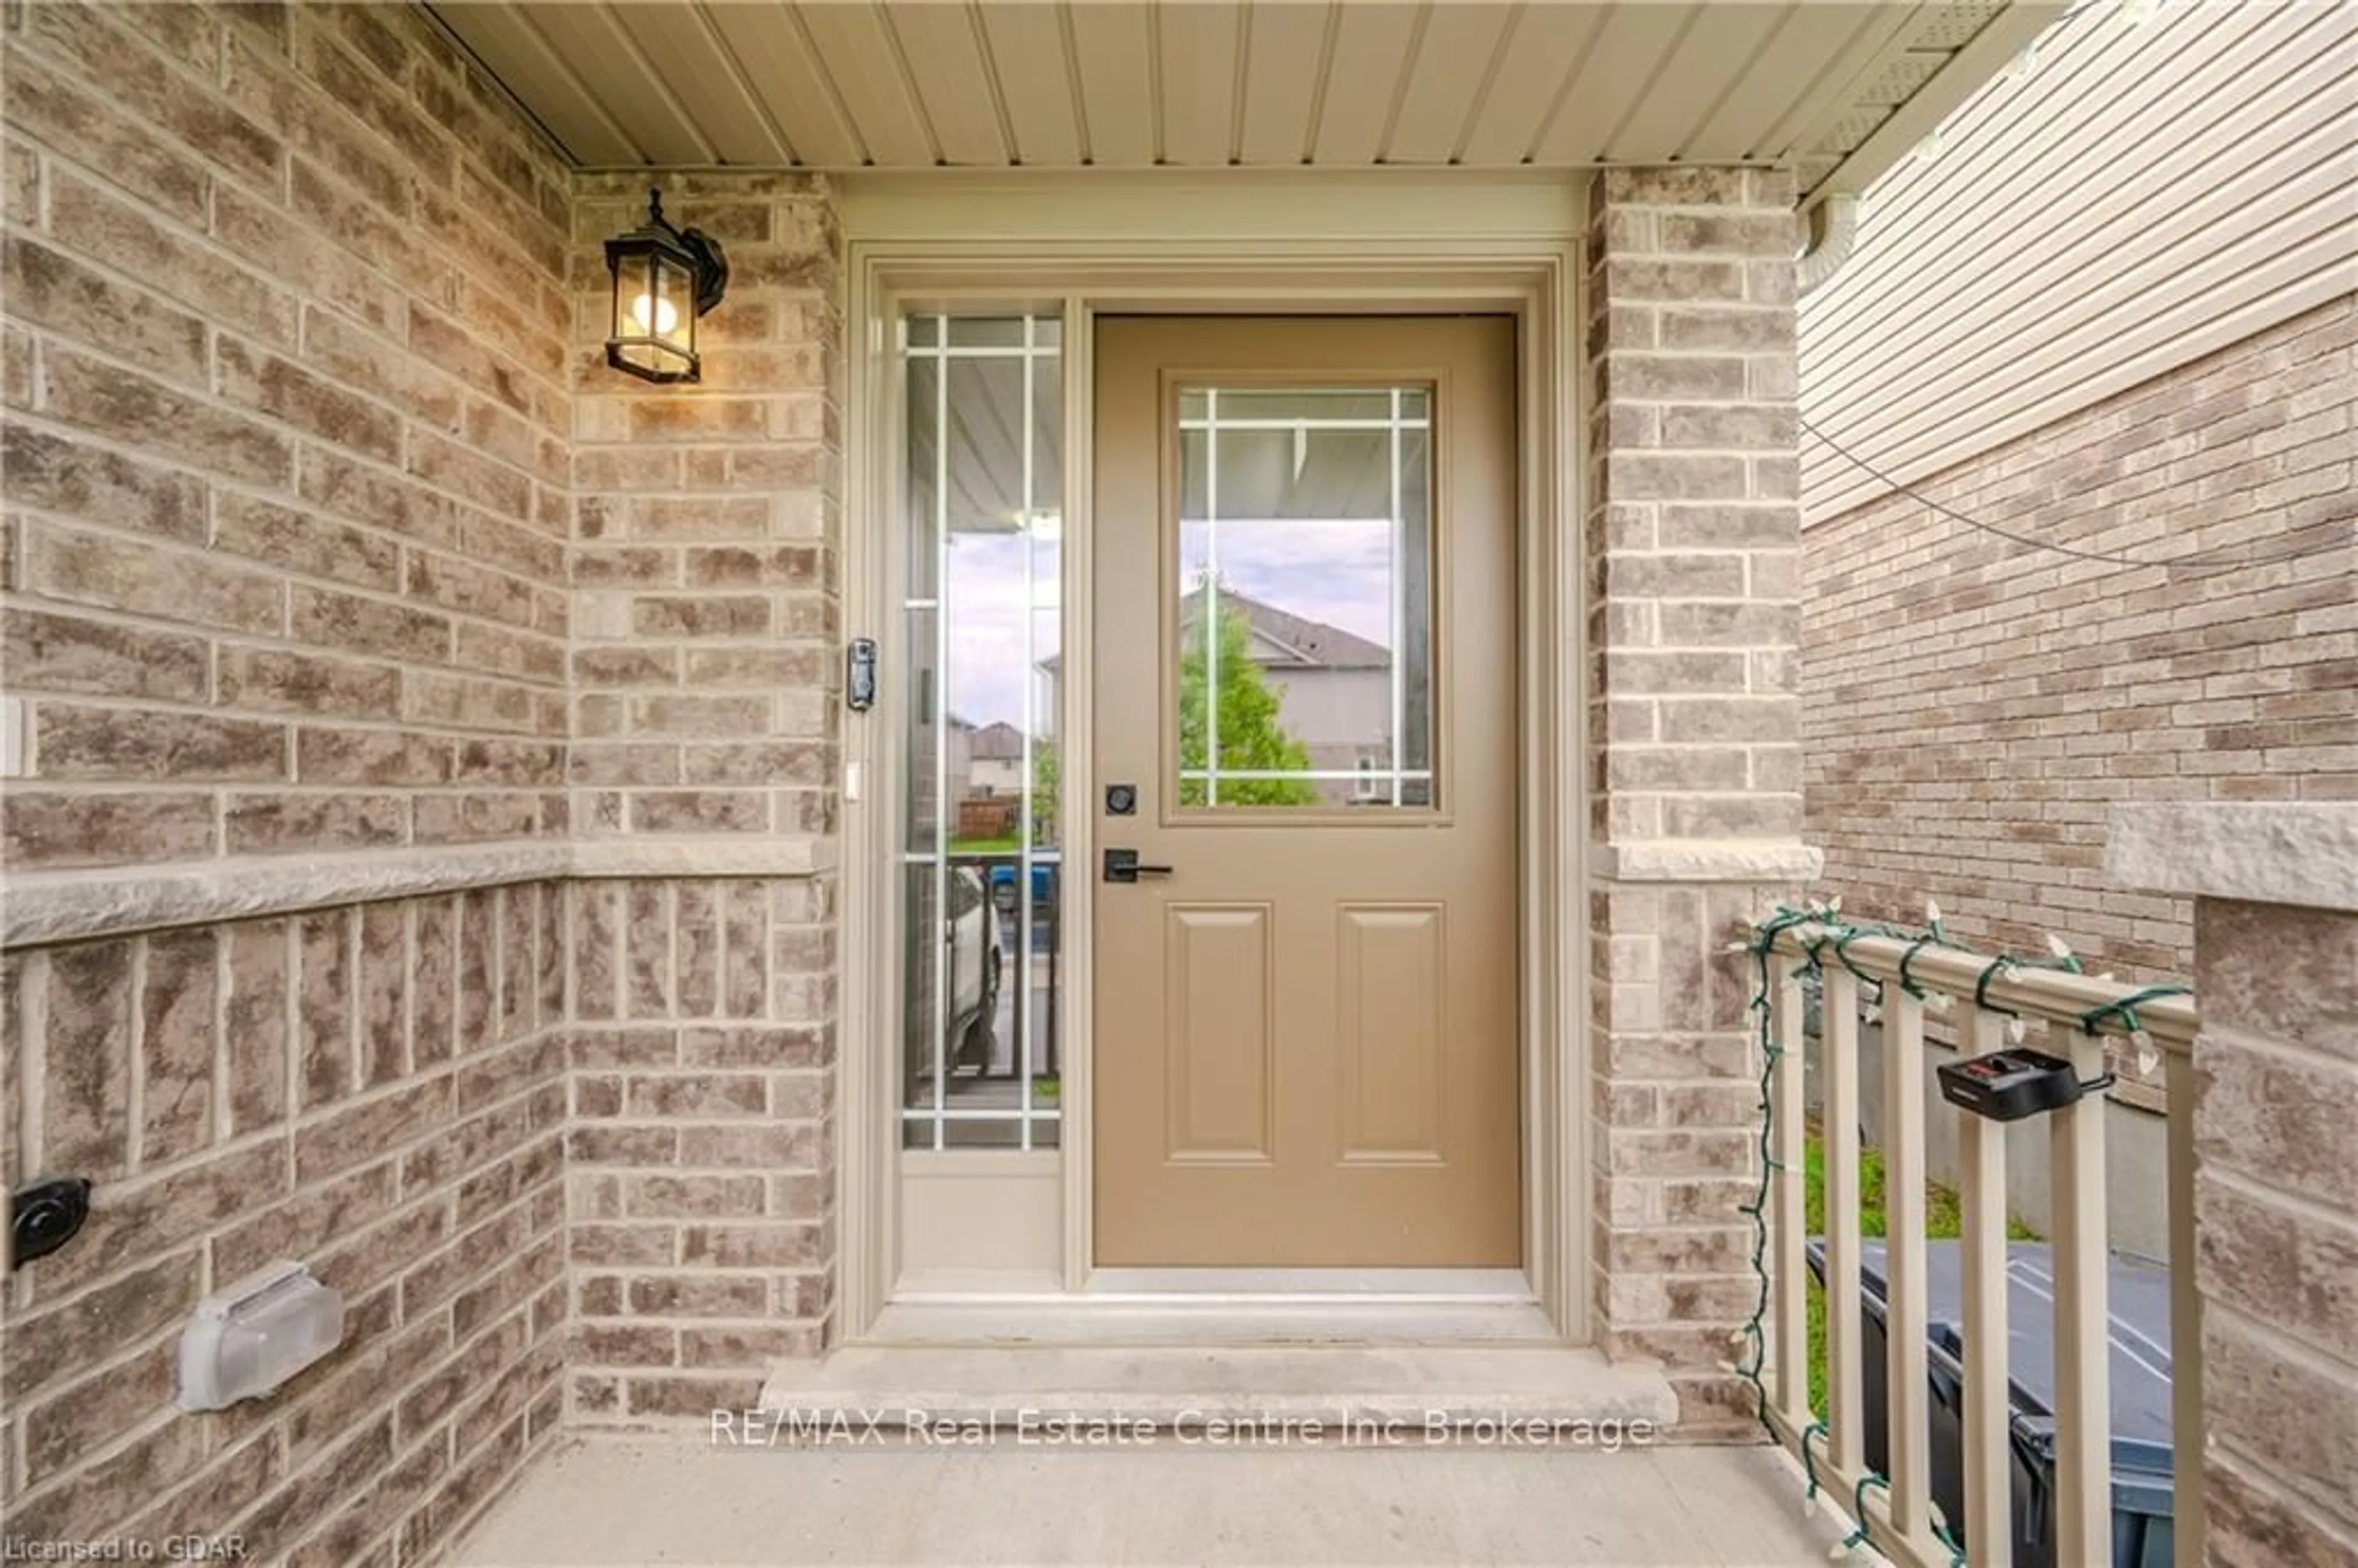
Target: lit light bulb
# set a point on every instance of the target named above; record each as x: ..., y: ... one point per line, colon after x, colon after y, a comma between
x: 664, y: 313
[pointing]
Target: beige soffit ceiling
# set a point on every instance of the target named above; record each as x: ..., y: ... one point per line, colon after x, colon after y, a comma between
x: 1838, y: 91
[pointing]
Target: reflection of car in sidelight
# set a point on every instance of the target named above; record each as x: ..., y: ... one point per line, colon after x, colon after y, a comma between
x: 1003, y: 882
x: 973, y: 966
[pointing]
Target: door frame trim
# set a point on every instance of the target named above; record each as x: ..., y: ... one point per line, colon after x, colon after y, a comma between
x: 1532, y: 278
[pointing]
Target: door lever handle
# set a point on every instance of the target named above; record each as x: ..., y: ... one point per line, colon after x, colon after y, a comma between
x: 1122, y: 866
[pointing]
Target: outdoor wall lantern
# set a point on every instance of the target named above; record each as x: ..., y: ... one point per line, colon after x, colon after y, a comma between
x: 664, y: 279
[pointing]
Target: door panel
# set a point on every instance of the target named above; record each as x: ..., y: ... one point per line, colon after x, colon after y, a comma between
x: 1394, y: 1086
x: 1218, y: 977
x: 1305, y: 659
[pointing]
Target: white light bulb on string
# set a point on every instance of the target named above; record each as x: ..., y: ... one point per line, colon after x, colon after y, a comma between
x: 2057, y: 947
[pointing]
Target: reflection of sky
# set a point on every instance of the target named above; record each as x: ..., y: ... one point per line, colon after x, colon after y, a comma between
x: 1339, y: 573
x: 1328, y: 571
x: 989, y: 656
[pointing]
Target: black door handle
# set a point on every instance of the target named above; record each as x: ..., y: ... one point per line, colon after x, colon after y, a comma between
x: 1122, y: 866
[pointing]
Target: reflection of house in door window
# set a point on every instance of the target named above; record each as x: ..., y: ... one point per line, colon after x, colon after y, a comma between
x: 1334, y: 688
x: 1334, y: 691
x: 996, y: 765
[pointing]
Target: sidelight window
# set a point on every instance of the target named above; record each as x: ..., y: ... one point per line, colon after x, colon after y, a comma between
x: 982, y: 871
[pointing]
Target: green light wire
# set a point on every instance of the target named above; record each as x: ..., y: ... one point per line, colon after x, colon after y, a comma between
x: 1839, y: 933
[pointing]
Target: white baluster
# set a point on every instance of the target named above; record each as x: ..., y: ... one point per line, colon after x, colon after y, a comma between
x: 1845, y: 1393
x: 1788, y: 1265
x: 1987, y: 1525
x: 2083, y: 1403
x: 1903, y: 1206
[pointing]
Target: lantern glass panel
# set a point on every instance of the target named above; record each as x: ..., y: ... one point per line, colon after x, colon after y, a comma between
x: 654, y: 315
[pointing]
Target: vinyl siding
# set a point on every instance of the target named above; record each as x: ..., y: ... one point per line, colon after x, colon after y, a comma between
x: 2141, y: 191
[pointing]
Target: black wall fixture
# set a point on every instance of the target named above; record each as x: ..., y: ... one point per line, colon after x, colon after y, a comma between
x: 44, y: 1215
x: 664, y: 279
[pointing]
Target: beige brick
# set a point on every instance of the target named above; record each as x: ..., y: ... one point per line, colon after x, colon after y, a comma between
x: 1670, y: 185
x: 77, y: 742
x: 124, y: 574
x: 271, y: 823
x: 2285, y: 974
x: 255, y: 1033
x: 62, y: 113
x: 126, y: 239
x: 153, y: 415
x: 20, y: 184
x: 2292, y: 1416
x: 2273, y: 1114
x: 75, y: 828
x: 51, y: 289
x: 305, y: 543
x: 47, y: 653
x: 371, y: 627
x: 179, y: 990
x: 1671, y: 377
x: 86, y: 1047
x: 52, y: 473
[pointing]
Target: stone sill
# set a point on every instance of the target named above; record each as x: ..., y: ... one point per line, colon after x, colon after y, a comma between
x: 1781, y: 860
x: 45, y: 908
x: 2304, y: 854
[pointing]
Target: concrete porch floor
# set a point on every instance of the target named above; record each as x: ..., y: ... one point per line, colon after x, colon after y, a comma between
x: 608, y: 1502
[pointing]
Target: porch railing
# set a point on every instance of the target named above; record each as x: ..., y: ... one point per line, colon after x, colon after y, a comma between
x: 1989, y: 1002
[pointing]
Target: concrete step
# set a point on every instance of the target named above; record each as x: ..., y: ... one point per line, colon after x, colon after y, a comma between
x: 1553, y: 1395
x: 1167, y: 1320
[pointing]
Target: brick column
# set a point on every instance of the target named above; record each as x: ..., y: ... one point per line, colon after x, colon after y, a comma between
x: 1691, y: 546
x: 2274, y: 1231
x: 705, y: 742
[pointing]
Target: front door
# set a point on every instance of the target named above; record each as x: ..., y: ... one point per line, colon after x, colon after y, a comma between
x: 1304, y: 706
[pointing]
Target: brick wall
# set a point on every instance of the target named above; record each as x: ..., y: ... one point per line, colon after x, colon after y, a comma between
x: 1693, y: 740
x: 377, y: 1091
x: 1973, y: 707
x: 701, y: 1156
x: 285, y: 459
x: 287, y: 501
x: 707, y: 621
x: 709, y: 609
x: 2277, y: 1252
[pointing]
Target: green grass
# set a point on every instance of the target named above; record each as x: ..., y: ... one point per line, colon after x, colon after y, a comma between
x: 1009, y: 845
x: 1942, y: 1221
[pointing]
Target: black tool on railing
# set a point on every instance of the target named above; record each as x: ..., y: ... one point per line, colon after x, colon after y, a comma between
x: 2006, y: 1086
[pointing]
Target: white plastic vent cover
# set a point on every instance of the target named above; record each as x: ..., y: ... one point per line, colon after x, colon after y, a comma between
x: 250, y: 1338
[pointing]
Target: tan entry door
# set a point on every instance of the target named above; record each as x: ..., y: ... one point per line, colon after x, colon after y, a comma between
x: 1304, y: 667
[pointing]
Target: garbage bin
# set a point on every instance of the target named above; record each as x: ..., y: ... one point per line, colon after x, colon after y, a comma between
x: 2138, y: 1305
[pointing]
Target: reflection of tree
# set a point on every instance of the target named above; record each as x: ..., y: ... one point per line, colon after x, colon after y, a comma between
x: 1047, y: 783
x: 1252, y: 739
